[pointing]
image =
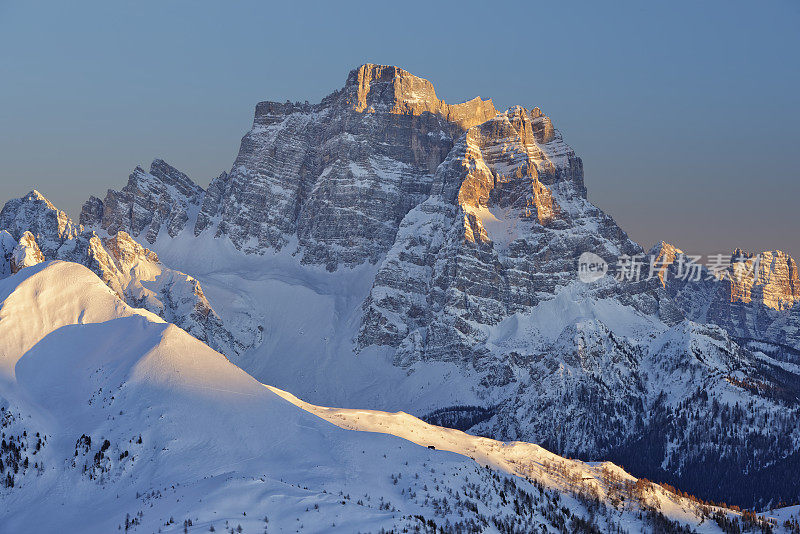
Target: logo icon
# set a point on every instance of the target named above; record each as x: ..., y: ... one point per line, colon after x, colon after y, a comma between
x: 591, y: 267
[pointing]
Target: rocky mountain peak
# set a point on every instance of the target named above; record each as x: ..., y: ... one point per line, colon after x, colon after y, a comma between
x: 161, y: 175
x: 36, y: 196
x: 770, y: 277
x: 513, y: 165
x: 33, y: 230
x: 372, y: 88
x: 149, y: 202
x: 664, y: 248
x: 338, y: 177
x: 391, y: 88
x: 664, y: 254
x: 170, y: 176
x: 50, y: 226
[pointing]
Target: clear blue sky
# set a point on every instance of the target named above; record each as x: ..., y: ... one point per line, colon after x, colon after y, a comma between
x: 686, y: 114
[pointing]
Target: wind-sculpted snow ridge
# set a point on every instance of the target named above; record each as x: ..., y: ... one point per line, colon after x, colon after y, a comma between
x: 409, y: 254
x: 133, y: 272
x: 114, y: 420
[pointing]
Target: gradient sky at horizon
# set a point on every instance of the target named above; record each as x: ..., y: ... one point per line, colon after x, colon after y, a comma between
x: 685, y: 113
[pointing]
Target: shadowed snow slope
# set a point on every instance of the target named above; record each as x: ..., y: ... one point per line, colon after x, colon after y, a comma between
x: 111, y: 416
x: 42, y: 298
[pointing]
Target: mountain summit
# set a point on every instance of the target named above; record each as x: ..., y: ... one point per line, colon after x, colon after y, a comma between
x: 371, y: 88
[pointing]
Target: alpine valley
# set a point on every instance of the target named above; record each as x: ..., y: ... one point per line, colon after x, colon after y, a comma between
x: 414, y: 264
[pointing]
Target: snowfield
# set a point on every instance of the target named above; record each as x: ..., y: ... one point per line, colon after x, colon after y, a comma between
x: 113, y: 417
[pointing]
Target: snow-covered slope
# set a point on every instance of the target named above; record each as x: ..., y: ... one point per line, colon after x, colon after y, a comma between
x: 114, y: 419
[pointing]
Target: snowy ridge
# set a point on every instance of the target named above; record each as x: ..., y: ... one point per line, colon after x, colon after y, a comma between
x: 602, y: 479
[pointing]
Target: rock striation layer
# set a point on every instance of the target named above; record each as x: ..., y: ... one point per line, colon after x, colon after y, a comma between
x: 502, y: 231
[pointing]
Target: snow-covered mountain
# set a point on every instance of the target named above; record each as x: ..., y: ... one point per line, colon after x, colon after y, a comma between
x: 334, y: 178
x: 385, y: 249
x: 408, y: 254
x: 32, y: 230
x: 113, y: 419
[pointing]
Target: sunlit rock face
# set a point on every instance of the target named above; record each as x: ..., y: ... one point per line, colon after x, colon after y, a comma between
x: 770, y: 278
x: 502, y: 230
x: 25, y: 254
x: 754, y: 297
x: 388, y: 89
x: 133, y: 272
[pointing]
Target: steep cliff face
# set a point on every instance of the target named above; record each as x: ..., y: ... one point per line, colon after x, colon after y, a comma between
x: 754, y: 297
x: 769, y: 278
x: 161, y: 199
x: 333, y: 180
x: 134, y: 273
x: 337, y: 177
x: 502, y: 231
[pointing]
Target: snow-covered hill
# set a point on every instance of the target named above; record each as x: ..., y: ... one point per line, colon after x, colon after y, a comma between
x: 113, y: 419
